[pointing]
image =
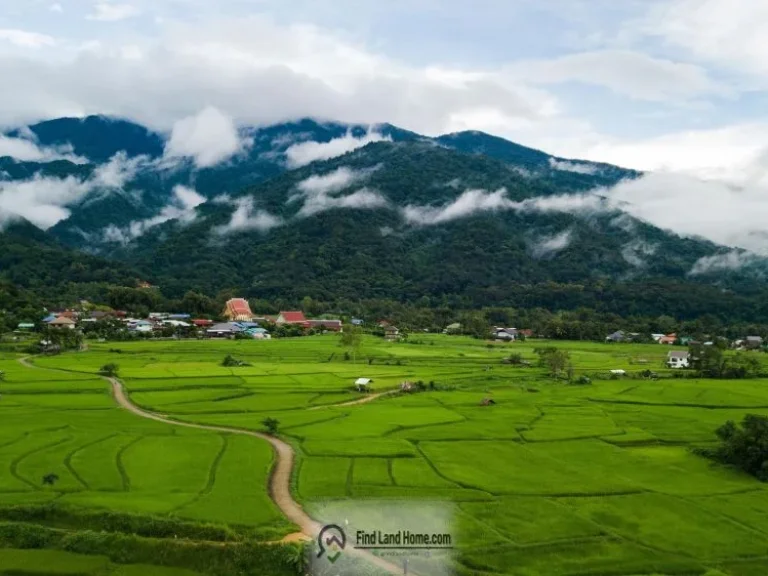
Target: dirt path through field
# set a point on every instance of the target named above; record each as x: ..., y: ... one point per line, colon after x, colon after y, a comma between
x: 364, y: 400
x: 280, y: 479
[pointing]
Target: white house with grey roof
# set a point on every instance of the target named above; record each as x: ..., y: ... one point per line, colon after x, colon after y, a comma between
x: 678, y: 359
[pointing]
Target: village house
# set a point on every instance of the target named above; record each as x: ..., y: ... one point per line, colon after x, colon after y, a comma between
x: 753, y: 342
x: 294, y: 317
x: 258, y: 333
x: 657, y: 337
x: 617, y: 336
x: 330, y: 325
x: 62, y: 322
x: 202, y: 323
x: 237, y: 309
x: 224, y: 330
x: 678, y: 359
x: 505, y: 334
x: 454, y: 328
x: 669, y: 339
x: 363, y: 384
x: 141, y: 326
x: 391, y: 333
x: 176, y: 323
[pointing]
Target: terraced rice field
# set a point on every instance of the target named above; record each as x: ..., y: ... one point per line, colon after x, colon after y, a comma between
x: 551, y: 480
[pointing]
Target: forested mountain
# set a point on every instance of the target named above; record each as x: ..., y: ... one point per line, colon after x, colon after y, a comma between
x: 463, y: 220
x: 97, y: 138
x: 33, y: 261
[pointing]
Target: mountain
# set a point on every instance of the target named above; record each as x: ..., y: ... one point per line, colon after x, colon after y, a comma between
x: 410, y: 241
x: 151, y: 187
x: 97, y: 138
x: 33, y: 261
x: 577, y: 174
x: 343, y: 212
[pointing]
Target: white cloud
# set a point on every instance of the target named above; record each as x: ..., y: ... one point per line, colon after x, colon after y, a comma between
x: 729, y: 33
x: 568, y: 166
x: 181, y: 207
x: 332, y: 182
x: 24, y: 39
x: 635, y: 252
x: 470, y: 202
x: 118, y: 171
x: 476, y: 201
x: 246, y: 217
x: 733, y: 260
x: 719, y: 152
x: 628, y: 73
x: 318, y: 191
x: 42, y: 201
x: 551, y: 245
x: 45, y: 201
x: 360, y: 199
x: 210, y: 137
x: 306, y: 152
x: 573, y: 203
x: 257, y: 72
x: 26, y: 150
x: 722, y: 212
x: 56, y: 7
x: 109, y: 12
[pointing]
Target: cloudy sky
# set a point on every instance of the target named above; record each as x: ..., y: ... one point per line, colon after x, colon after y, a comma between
x: 649, y: 84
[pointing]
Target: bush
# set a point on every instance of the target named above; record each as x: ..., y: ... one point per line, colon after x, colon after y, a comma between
x: 271, y: 425
x: 232, y: 362
x: 200, y: 556
x: 102, y: 520
x: 744, y: 446
x: 583, y: 380
x: 110, y: 369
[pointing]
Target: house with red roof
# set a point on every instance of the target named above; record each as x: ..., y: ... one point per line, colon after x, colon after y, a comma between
x: 237, y: 310
x: 293, y: 317
x: 329, y: 325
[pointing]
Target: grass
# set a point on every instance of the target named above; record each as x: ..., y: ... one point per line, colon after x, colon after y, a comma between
x: 551, y: 480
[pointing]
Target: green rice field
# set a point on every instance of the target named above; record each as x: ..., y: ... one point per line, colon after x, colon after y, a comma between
x: 550, y: 480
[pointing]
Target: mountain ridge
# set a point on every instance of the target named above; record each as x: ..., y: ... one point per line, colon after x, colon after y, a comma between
x: 466, y: 216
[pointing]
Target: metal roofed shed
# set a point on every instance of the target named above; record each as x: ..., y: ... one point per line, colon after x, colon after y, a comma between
x: 363, y: 383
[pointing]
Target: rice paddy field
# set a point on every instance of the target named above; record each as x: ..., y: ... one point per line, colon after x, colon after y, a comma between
x: 550, y: 480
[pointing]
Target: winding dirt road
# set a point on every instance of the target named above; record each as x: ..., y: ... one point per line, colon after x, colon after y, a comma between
x: 364, y: 400
x: 280, y: 478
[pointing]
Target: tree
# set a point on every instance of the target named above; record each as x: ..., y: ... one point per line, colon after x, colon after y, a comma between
x: 50, y: 479
x: 109, y: 370
x: 272, y: 425
x: 2, y: 375
x: 351, y: 337
x: 232, y: 362
x: 665, y: 324
x: 554, y: 359
x: 707, y: 360
x: 744, y: 446
x: 712, y: 362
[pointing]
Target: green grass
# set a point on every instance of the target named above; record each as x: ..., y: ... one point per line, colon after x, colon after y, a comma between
x: 179, y: 464
x: 551, y: 480
x: 237, y: 490
x: 55, y: 563
x: 322, y: 477
x: 371, y: 447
